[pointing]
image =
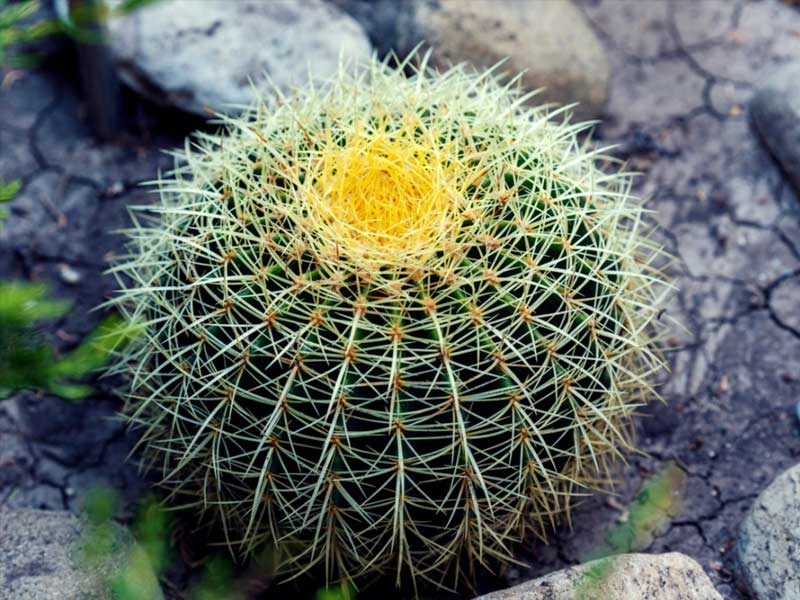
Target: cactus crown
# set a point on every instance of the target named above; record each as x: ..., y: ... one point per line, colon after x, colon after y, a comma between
x: 393, y: 323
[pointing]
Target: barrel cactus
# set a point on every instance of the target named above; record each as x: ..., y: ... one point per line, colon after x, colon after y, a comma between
x: 390, y: 324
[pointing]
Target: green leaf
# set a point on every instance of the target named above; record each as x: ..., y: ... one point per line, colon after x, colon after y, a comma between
x: 28, y: 362
x: 9, y: 190
x: 14, y: 31
x: 14, y: 13
x: 24, y: 303
x: 136, y: 581
x: 112, y: 333
x: 131, y: 5
x: 100, y: 505
x: 342, y: 591
x: 70, y: 391
x: 152, y: 532
x: 215, y: 583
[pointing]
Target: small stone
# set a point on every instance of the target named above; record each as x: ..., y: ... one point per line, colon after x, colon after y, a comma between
x: 69, y: 275
x: 724, y: 385
x: 115, y: 189
x: 202, y: 55
x: 671, y: 576
x: 40, y: 557
x: 768, y: 549
x: 776, y: 113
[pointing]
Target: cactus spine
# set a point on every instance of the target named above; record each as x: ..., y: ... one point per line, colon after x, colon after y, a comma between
x: 391, y: 324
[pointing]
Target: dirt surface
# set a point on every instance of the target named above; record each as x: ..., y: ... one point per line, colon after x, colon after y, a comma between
x: 682, y: 74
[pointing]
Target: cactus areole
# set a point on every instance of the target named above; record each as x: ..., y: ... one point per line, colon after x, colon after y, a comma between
x: 390, y: 324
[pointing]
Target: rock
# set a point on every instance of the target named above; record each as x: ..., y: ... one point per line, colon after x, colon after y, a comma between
x: 775, y: 109
x: 202, y: 54
x: 40, y: 557
x: 671, y: 576
x: 768, y: 550
x: 550, y: 40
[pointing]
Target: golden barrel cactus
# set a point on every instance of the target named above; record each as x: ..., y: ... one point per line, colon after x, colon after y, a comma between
x: 389, y: 324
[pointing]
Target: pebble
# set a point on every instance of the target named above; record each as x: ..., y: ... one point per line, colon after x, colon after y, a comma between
x: 69, y: 275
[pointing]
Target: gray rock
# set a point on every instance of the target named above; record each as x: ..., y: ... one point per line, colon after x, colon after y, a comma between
x: 549, y: 40
x: 40, y: 559
x: 671, y: 576
x: 768, y: 549
x: 775, y: 108
x: 203, y: 54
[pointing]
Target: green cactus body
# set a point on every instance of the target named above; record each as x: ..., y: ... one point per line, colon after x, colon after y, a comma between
x: 392, y: 324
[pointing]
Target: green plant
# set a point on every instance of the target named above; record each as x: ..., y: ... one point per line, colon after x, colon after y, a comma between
x: 18, y: 27
x: 658, y: 501
x: 341, y: 591
x: 135, y: 561
x: 139, y: 560
x: 8, y: 191
x: 391, y: 323
x: 27, y: 361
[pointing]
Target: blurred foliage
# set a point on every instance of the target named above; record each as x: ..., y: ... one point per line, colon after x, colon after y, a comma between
x: 343, y: 591
x: 150, y: 530
x: 86, y: 15
x: 129, y: 6
x: 28, y: 362
x: 659, y: 500
x: 146, y: 560
x: 8, y: 190
x: 103, y: 545
x: 216, y: 582
x: 141, y: 564
x: 18, y: 27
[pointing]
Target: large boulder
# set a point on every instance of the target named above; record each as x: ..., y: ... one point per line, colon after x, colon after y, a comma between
x: 775, y: 109
x: 209, y: 55
x: 671, y: 576
x: 42, y: 557
x: 549, y: 41
x: 768, y: 549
